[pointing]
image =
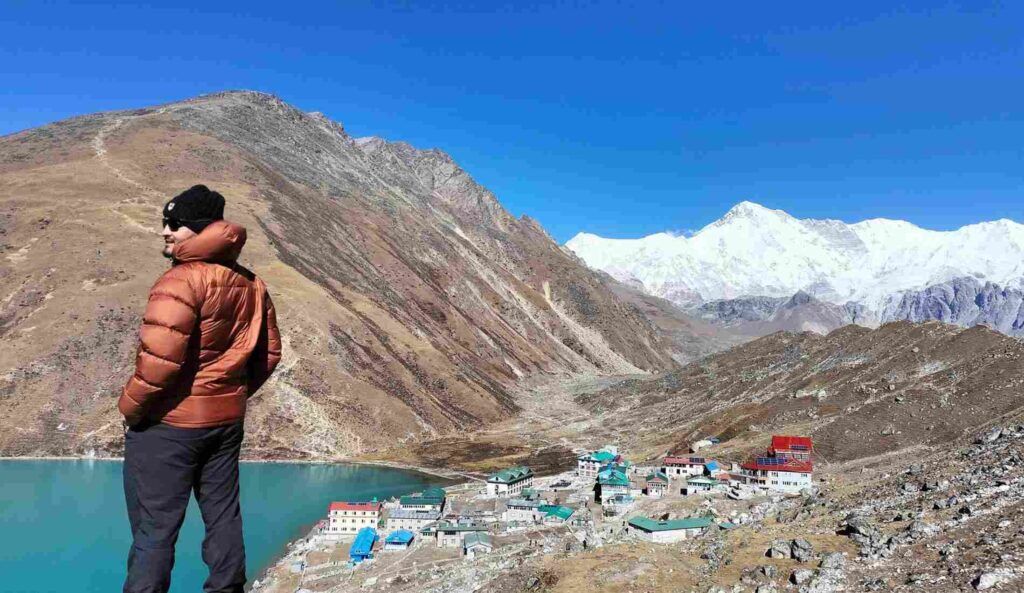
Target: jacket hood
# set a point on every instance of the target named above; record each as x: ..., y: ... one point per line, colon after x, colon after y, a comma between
x: 220, y: 242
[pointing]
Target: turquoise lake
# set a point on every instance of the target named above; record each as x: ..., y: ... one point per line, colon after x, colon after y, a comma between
x: 63, y: 525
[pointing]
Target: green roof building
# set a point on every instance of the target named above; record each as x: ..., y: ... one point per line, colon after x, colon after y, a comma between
x: 555, y: 513
x: 429, y: 499
x: 667, y: 531
x: 509, y: 482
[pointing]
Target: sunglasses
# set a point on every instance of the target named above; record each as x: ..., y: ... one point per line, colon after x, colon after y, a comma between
x: 174, y: 224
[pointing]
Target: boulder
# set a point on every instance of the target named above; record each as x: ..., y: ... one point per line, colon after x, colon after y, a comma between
x: 833, y: 561
x: 780, y: 548
x: 919, y: 529
x: 801, y: 576
x: 987, y: 580
x: 801, y: 550
x: 989, y: 437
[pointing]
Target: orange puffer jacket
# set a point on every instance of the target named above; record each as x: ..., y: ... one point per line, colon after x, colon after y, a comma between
x: 209, y: 337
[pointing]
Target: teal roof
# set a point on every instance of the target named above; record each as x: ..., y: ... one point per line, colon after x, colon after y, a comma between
x: 652, y: 525
x: 402, y: 536
x: 476, y: 537
x: 658, y: 476
x: 556, y: 510
x: 612, y: 477
x: 512, y: 474
x: 430, y: 496
x: 420, y: 500
x: 702, y: 480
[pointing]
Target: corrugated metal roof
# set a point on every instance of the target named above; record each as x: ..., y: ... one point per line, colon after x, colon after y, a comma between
x: 651, y: 525
x: 702, y: 480
x: 400, y: 536
x: 417, y: 500
x: 612, y: 477
x: 512, y: 474
x: 791, y: 443
x: 657, y: 476
x: 354, y: 506
x: 464, y: 527
x: 414, y: 514
x: 477, y: 538
x: 556, y: 510
x: 363, y: 544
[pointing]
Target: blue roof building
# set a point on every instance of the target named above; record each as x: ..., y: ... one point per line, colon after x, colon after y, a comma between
x: 362, y: 547
x: 399, y: 540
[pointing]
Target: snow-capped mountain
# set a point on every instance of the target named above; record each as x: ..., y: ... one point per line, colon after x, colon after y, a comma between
x: 756, y: 251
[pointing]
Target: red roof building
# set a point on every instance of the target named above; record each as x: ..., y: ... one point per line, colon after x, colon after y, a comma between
x: 347, y: 518
x: 791, y: 446
x: 685, y: 461
x: 787, y: 467
x: 372, y: 507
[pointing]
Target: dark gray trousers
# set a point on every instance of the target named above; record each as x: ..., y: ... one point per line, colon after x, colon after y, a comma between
x: 163, y: 466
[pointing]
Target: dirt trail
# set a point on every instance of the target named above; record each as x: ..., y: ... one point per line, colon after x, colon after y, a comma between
x: 99, y: 146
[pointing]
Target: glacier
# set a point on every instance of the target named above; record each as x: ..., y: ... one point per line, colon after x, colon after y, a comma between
x: 756, y: 251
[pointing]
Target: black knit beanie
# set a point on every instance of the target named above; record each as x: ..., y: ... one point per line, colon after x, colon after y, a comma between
x: 195, y: 208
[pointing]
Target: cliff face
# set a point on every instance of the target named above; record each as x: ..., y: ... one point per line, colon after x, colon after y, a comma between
x: 963, y: 301
x: 410, y: 300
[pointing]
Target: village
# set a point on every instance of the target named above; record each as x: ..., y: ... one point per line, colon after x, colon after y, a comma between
x: 388, y: 545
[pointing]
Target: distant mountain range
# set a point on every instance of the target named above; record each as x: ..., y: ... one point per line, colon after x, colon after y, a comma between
x: 765, y: 270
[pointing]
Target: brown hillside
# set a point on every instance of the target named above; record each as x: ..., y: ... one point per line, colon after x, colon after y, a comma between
x: 858, y: 392
x: 410, y: 300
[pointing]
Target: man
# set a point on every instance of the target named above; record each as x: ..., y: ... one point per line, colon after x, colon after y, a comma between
x: 208, y: 341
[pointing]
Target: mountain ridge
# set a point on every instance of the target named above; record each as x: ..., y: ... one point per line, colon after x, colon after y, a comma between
x: 410, y: 300
x: 753, y: 251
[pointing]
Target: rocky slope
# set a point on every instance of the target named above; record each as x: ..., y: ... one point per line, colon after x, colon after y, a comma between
x: 858, y: 392
x: 410, y: 300
x: 689, y: 337
x: 760, y: 316
x: 963, y: 301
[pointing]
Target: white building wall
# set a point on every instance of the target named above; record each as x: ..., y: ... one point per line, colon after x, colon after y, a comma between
x: 663, y: 537
x: 500, y: 489
x: 414, y: 525
x: 350, y: 522
x: 681, y: 471
x: 520, y: 515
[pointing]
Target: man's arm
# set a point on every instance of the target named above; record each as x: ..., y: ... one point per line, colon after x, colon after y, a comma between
x: 267, y: 352
x: 167, y: 327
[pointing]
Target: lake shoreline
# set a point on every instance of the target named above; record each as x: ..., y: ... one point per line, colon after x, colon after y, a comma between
x: 455, y: 477
x: 88, y: 489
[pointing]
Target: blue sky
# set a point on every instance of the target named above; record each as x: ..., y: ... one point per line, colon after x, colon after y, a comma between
x: 612, y: 118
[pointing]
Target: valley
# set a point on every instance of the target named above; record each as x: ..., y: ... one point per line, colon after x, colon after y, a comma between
x: 426, y: 327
